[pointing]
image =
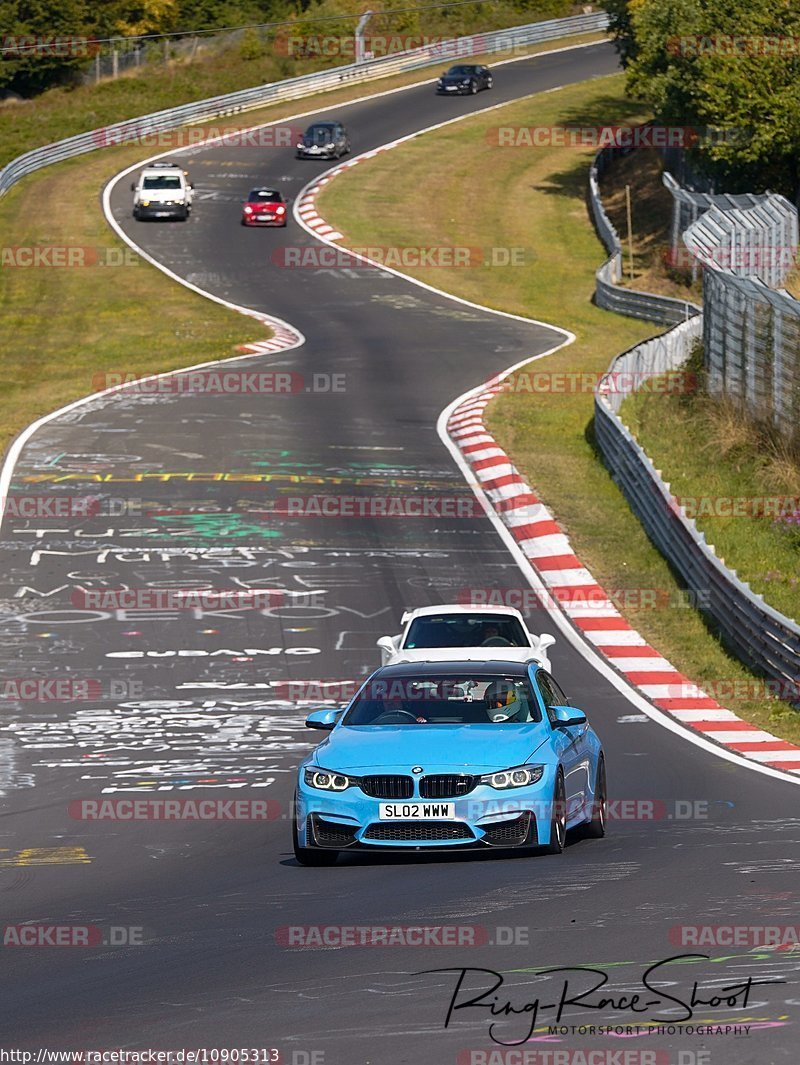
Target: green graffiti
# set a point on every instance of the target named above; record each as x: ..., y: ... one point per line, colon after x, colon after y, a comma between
x: 215, y: 526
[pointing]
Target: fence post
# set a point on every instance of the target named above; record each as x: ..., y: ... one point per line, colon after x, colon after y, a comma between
x: 777, y: 366
x: 362, y: 24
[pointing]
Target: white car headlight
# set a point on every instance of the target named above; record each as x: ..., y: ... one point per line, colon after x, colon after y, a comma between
x: 325, y: 780
x: 520, y: 776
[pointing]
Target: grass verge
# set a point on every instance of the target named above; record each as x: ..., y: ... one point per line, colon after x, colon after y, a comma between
x: 717, y: 458
x: 536, y: 199
x: 64, y: 325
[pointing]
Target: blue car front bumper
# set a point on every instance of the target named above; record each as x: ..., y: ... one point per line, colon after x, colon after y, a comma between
x: 486, y: 817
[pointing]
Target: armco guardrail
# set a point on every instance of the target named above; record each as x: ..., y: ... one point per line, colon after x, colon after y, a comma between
x: 608, y: 293
x: 762, y: 637
x: 295, y: 88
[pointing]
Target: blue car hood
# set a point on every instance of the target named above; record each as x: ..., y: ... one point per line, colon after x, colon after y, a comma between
x: 443, y: 748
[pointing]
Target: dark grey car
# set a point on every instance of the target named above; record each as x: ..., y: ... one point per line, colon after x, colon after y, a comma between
x: 464, y: 79
x: 324, y: 140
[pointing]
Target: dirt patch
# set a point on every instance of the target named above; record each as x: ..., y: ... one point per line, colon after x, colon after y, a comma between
x: 654, y: 267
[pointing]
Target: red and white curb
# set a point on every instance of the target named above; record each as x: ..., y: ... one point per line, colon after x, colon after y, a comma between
x: 306, y: 206
x: 284, y: 336
x: 547, y: 548
x: 306, y: 209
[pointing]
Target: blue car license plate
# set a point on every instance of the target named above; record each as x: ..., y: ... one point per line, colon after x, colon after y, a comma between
x: 417, y: 811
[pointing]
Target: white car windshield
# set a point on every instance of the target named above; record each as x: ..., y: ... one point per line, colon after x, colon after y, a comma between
x: 163, y: 181
x: 465, y: 630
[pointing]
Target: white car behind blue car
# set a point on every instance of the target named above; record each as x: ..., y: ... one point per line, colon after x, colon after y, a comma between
x: 443, y: 633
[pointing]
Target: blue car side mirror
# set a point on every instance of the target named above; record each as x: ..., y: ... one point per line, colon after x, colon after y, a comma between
x: 567, y: 715
x: 324, y: 719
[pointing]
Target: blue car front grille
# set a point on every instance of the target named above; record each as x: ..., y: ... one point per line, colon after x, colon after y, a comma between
x: 419, y: 832
x: 447, y: 786
x: 388, y: 787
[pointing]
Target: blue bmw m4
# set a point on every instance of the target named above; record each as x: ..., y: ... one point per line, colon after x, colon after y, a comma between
x: 450, y: 756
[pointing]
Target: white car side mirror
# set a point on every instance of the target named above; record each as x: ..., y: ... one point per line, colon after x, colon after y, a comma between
x: 389, y: 646
x: 545, y: 640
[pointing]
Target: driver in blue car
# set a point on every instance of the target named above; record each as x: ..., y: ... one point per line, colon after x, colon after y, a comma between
x: 503, y: 702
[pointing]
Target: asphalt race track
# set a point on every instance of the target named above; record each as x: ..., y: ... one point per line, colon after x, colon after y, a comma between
x: 198, y: 704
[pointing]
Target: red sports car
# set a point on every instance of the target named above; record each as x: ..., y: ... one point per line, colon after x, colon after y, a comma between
x: 264, y: 207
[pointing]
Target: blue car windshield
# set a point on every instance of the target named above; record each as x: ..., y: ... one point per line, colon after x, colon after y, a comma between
x: 452, y: 700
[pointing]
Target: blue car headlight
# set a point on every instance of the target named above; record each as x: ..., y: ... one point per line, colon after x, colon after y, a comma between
x: 325, y: 780
x: 520, y: 776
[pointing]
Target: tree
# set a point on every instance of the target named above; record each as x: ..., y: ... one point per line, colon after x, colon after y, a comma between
x: 44, y: 42
x: 732, y: 72
x: 50, y: 42
x: 619, y: 17
x: 127, y: 19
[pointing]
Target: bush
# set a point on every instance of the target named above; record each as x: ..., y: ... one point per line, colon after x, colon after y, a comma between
x: 251, y: 46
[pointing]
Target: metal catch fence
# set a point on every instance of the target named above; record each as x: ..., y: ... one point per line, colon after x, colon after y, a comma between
x: 751, y: 326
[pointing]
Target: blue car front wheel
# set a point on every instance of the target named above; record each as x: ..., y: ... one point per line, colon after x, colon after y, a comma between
x: 596, y: 828
x: 558, y: 818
